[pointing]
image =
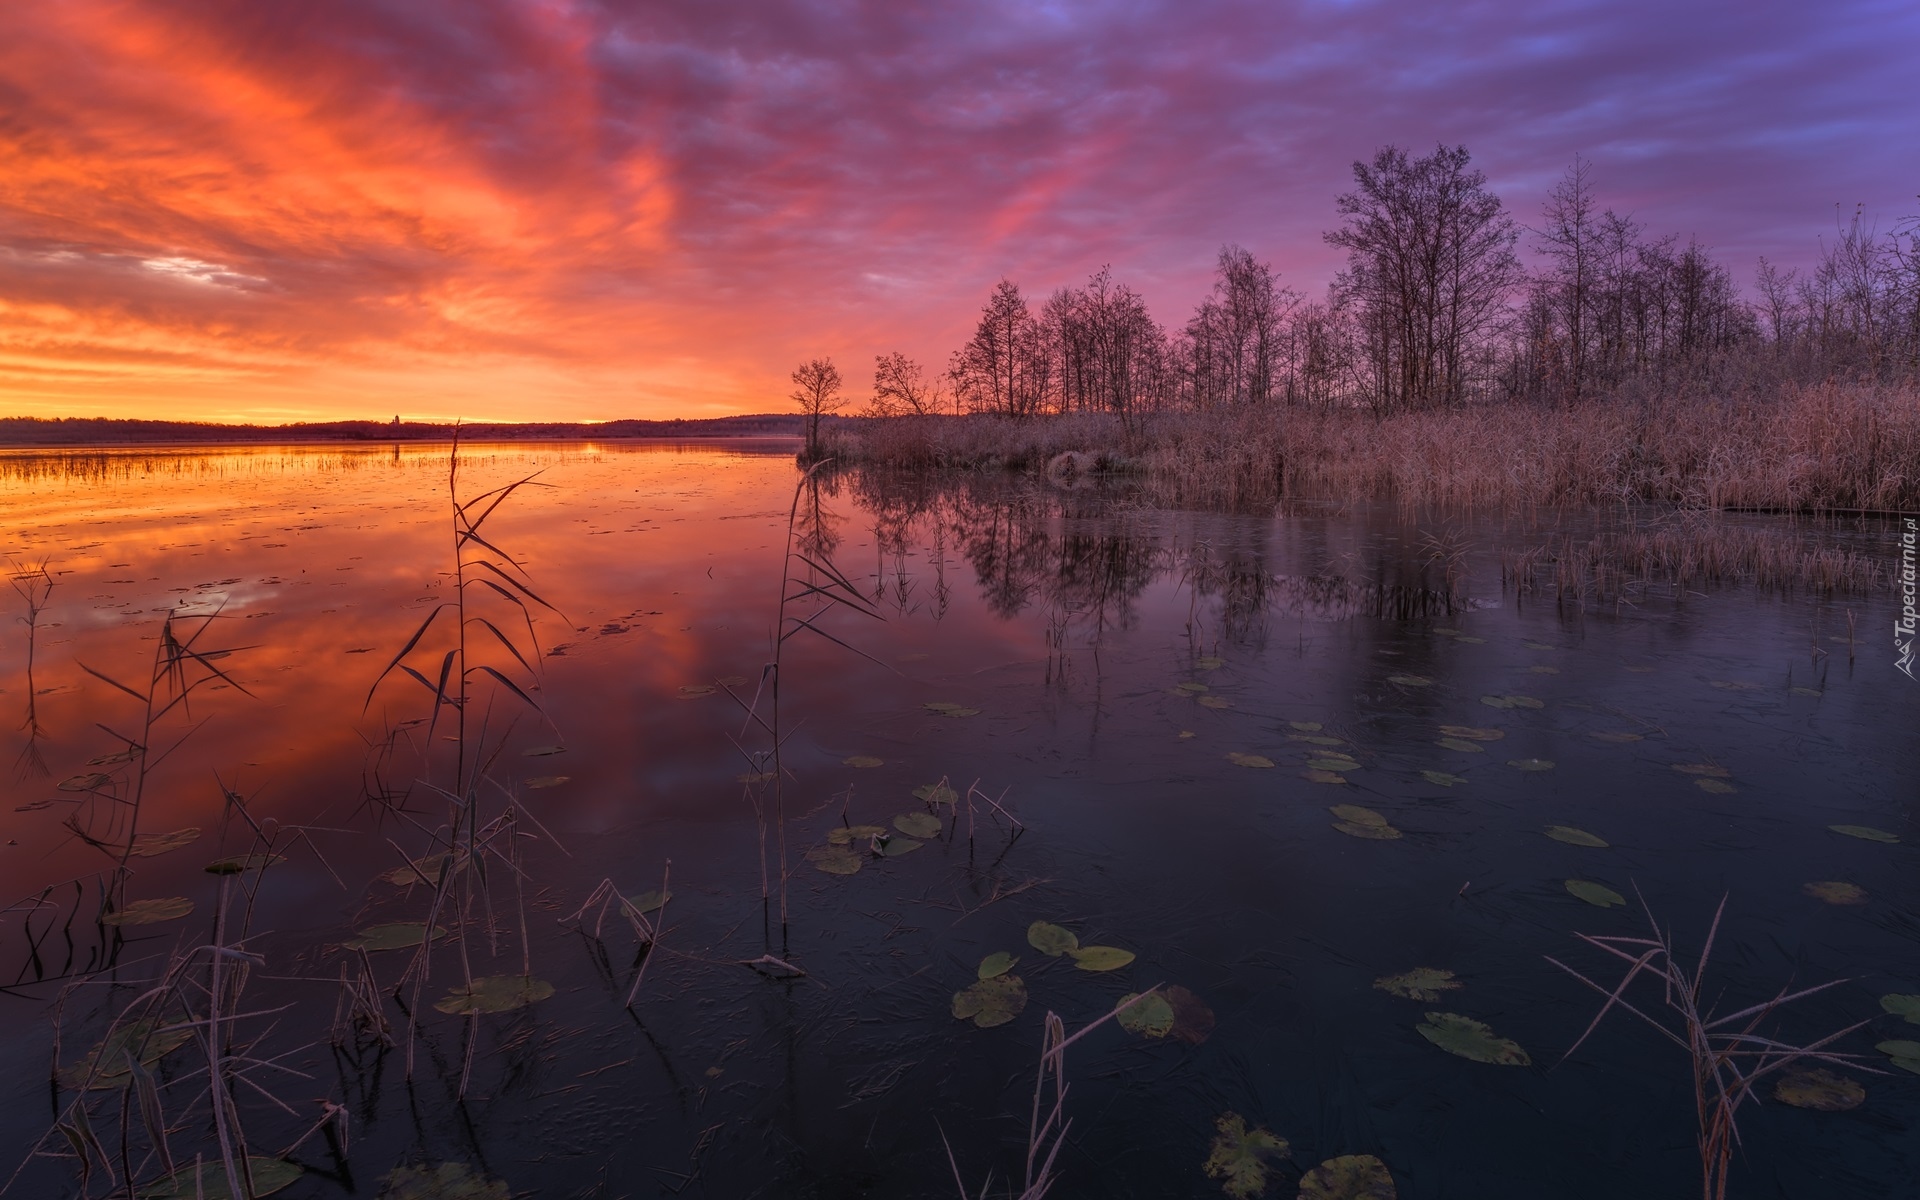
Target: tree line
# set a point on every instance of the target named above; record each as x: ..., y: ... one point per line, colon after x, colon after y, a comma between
x: 1434, y: 309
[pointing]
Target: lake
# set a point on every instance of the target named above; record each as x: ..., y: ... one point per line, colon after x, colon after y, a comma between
x: 1044, y: 720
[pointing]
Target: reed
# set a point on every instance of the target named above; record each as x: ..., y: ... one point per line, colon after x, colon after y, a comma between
x: 34, y: 586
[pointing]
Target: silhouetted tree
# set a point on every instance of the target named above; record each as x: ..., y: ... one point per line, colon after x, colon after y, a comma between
x: 1004, y: 367
x: 816, y: 389
x: 901, y: 388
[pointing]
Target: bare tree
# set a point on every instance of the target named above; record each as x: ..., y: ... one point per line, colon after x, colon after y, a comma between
x: 1004, y: 367
x: 816, y: 389
x: 901, y: 388
x: 1569, y: 238
x: 1235, y: 337
x: 1430, y: 264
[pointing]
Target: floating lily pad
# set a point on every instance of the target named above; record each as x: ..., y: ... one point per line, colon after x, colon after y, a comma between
x: 1421, y: 983
x: 847, y: 835
x: 240, y: 863
x: 1358, y: 815
x: 936, y: 793
x: 1496, y: 701
x: 1239, y: 1156
x: 495, y: 994
x: 917, y: 824
x: 1192, y: 1019
x: 150, y: 912
x: 147, y: 845
x: 1805, y: 691
x: 1905, y: 1007
x: 208, y: 1180
x: 865, y: 762
x: 1531, y: 764
x: 1469, y: 639
x: 947, y: 708
x: 1051, y: 940
x: 1149, y: 1016
x: 836, y: 860
x: 648, y: 901
x: 1818, y: 1089
x: 421, y: 870
x: 1315, y: 739
x: 732, y: 681
x: 1100, y: 958
x: 990, y: 1002
x: 1709, y: 770
x: 1609, y: 735
x: 1349, y: 1177
x: 1191, y: 689
x: 894, y: 847
x: 1209, y: 663
x: 1537, y: 645
x: 1905, y: 1054
x: 1731, y: 685
x: 1410, y: 680
x: 543, y: 751
x: 1377, y: 833
x: 1834, y: 891
x: 1305, y: 726
x: 1595, y: 894
x: 1459, y: 746
x: 1471, y: 1039
x: 1214, y: 702
x: 105, y: 1066
x: 539, y: 782
x: 1187, y: 733
x: 1315, y: 775
x: 1474, y: 733
x: 1718, y: 787
x: 1575, y: 837
x: 89, y: 782
x: 996, y: 964
x: 1333, y: 764
x: 693, y: 691
x: 1442, y: 778
x: 1866, y: 833
x: 400, y: 935
x: 447, y: 1181
x: 1249, y: 760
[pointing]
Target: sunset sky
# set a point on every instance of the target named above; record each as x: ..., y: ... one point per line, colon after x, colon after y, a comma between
x: 540, y: 209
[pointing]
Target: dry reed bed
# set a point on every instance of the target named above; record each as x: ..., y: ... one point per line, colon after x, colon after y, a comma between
x: 1691, y: 555
x: 1817, y: 449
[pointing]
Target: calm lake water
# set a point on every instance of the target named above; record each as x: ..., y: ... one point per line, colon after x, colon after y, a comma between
x: 1169, y: 703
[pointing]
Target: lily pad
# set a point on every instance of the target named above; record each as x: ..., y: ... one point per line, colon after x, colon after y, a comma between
x: 1469, y: 1038
x: 1192, y: 1019
x: 1531, y: 645
x: 1358, y: 815
x: 1496, y: 702
x: 1818, y: 1089
x: 1100, y: 958
x: 1474, y: 733
x: 894, y: 847
x: 1333, y: 764
x: 495, y: 994
x: 1905, y: 1054
x: 1191, y: 688
x: 1149, y: 1016
x: 1461, y: 746
x: 1531, y: 764
x: 1349, y: 1177
x: 1866, y: 833
x: 1249, y: 760
x: 91, y: 781
x: 1315, y: 739
x: 1314, y: 775
x: 241, y: 863
x: 1214, y: 702
x: 865, y: 762
x: 150, y: 912
x: 1376, y: 833
x: 1239, y: 1156
x: 1209, y: 663
x: 1421, y: 983
x: 1469, y: 639
x: 996, y: 964
x: 400, y: 935
x: 648, y: 901
x: 1595, y: 894
x: 147, y: 845
x: 208, y: 1180
x: 1805, y: 691
x: 847, y: 835
x: 1708, y: 770
x: 105, y: 1066
x: 1410, y: 680
x: 1305, y: 726
x: 990, y: 1002
x: 947, y: 708
x: 936, y: 793
x: 1718, y: 787
x: 917, y: 824
x: 836, y: 860
x: 1905, y: 1007
x: 541, y: 782
x: 1442, y: 778
x: 1834, y: 891
x: 1051, y: 940
x: 1609, y: 735
x: 421, y: 870
x: 693, y: 691
x: 447, y: 1181
x: 1575, y: 837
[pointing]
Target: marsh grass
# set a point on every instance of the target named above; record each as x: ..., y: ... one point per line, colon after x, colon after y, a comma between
x: 34, y: 586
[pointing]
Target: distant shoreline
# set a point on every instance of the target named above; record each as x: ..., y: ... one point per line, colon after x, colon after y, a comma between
x: 29, y: 433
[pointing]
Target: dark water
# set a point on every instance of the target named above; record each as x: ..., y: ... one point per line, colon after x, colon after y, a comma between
x: 1070, y: 621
